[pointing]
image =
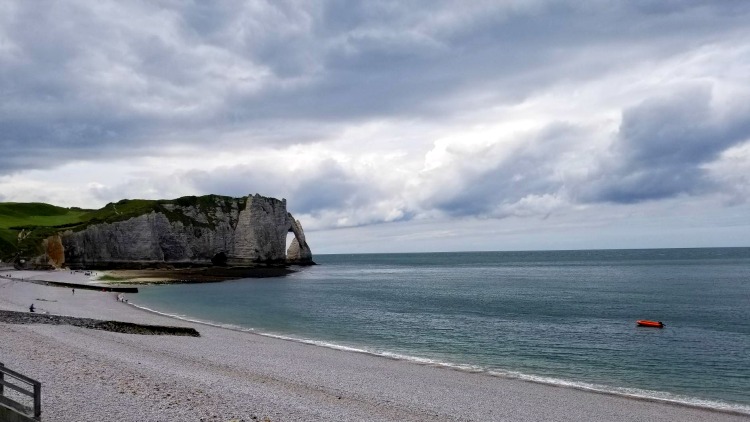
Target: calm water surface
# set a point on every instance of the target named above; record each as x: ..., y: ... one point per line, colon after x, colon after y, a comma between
x: 565, y: 317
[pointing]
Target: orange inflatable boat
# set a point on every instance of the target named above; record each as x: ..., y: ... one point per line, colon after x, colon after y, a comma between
x: 647, y: 323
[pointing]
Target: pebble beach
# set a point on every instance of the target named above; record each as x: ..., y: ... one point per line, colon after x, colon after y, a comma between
x: 227, y: 375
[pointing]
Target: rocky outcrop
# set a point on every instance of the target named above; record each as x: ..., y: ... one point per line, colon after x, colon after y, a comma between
x: 210, y: 231
x: 54, y: 251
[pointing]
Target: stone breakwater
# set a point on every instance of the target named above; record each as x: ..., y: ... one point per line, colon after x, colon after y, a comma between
x: 12, y: 317
x: 220, y: 231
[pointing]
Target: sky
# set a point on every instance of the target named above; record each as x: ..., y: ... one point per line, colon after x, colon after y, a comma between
x: 393, y: 126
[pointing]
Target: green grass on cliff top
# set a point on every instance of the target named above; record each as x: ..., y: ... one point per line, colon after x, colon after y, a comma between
x: 43, y: 220
x: 14, y: 214
x: 36, y: 217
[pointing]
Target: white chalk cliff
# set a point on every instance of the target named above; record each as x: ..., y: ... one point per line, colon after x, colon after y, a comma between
x: 210, y: 230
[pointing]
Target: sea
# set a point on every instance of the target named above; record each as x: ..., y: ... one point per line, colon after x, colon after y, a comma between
x: 565, y: 318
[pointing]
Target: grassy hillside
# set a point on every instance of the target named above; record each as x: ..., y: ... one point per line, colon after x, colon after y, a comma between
x: 37, y: 214
x: 36, y: 221
x: 36, y: 218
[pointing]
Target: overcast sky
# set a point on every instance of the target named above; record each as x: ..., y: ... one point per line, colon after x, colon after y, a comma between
x: 393, y: 126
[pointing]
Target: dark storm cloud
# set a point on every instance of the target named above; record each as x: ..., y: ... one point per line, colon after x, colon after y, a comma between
x: 100, y: 78
x: 663, y: 144
x: 389, y: 59
x: 30, y: 144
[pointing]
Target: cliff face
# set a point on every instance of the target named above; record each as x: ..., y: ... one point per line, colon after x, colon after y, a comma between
x: 220, y: 231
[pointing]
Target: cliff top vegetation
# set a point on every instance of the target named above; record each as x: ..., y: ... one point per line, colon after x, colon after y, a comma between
x: 24, y: 225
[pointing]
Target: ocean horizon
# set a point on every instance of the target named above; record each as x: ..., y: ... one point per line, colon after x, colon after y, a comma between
x: 558, y: 317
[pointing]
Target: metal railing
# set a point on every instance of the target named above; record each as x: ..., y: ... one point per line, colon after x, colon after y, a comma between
x: 35, y: 391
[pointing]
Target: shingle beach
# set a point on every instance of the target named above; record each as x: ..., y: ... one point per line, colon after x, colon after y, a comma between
x: 227, y: 375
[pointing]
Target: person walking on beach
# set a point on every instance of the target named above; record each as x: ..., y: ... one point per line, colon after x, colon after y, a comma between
x: 31, y: 308
x: 74, y: 291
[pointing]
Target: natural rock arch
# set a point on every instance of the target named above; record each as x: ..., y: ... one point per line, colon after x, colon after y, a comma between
x: 298, y: 252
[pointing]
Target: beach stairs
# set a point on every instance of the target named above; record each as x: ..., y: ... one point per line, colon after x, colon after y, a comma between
x: 15, y: 389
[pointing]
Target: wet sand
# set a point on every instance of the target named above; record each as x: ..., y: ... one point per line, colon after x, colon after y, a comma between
x: 192, y: 275
x: 147, y: 276
x: 92, y: 375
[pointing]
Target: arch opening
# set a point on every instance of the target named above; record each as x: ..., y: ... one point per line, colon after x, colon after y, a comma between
x: 219, y: 259
x: 289, y: 239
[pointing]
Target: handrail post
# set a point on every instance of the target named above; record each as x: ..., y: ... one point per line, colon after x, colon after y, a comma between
x: 36, y: 394
x: 37, y: 399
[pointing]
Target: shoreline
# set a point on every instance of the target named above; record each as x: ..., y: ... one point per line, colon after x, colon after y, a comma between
x: 240, y: 374
x: 625, y: 392
x: 134, y: 277
x: 190, y: 275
